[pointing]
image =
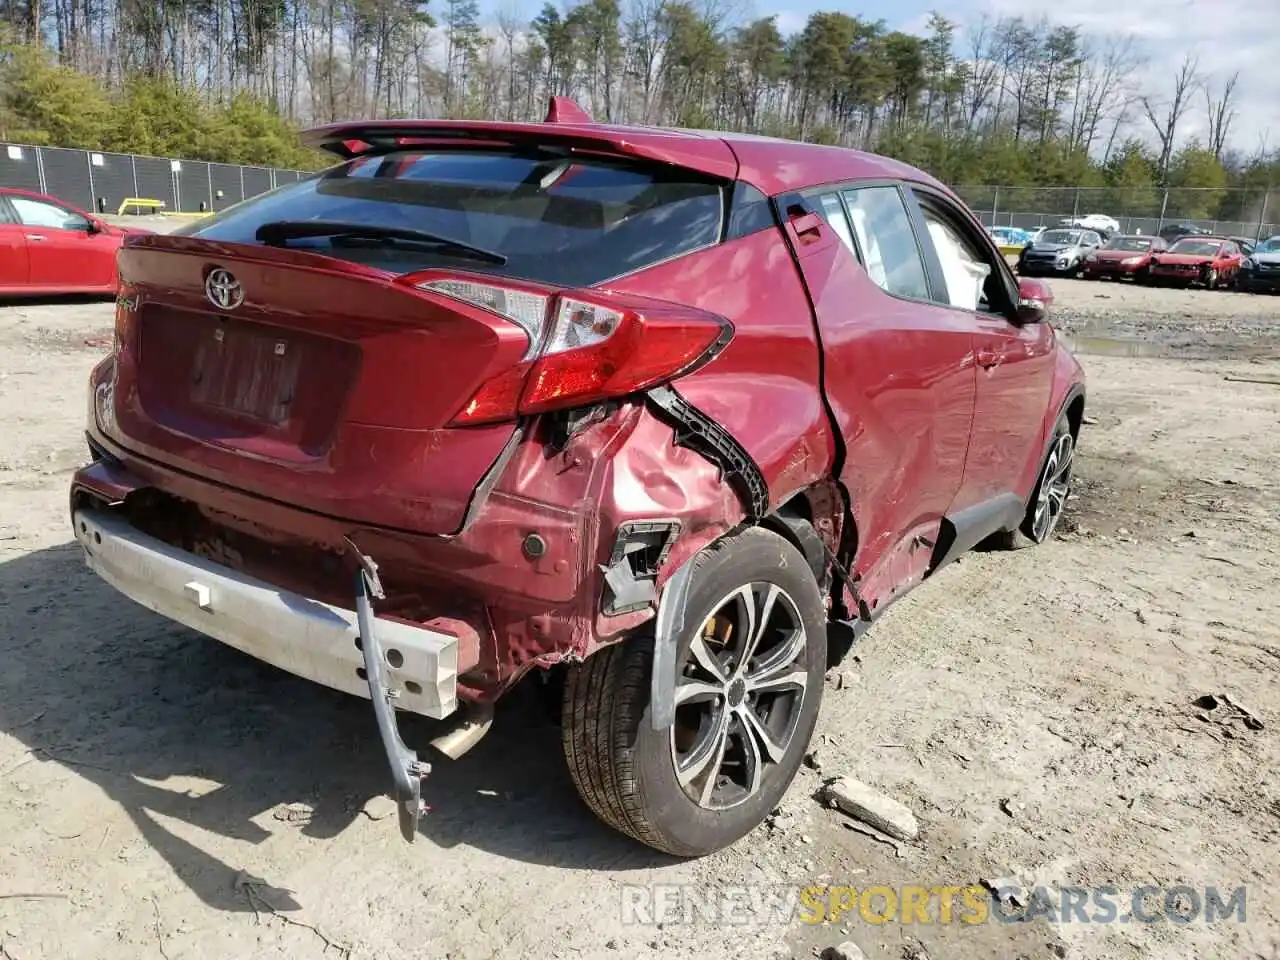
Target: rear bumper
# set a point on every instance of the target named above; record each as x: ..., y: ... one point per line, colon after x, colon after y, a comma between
x: 313, y: 640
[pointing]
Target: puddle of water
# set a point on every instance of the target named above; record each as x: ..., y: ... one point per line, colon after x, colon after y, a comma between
x: 1222, y: 347
x: 1118, y: 347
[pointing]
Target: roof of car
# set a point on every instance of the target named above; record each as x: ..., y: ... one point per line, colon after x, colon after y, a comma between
x: 770, y: 164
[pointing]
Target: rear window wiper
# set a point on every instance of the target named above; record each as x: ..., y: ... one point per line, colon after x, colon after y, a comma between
x: 278, y: 232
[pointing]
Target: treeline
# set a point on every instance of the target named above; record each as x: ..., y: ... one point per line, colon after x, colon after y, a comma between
x: 1013, y: 101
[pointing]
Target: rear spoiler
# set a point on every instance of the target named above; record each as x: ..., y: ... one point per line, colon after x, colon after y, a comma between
x: 567, y: 125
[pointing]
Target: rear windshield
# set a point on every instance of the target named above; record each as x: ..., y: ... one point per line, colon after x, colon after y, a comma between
x: 1129, y: 243
x: 558, y: 220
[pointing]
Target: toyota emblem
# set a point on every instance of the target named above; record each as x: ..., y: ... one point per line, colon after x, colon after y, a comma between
x: 223, y: 289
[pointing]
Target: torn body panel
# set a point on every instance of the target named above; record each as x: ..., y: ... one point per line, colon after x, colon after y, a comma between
x: 520, y: 582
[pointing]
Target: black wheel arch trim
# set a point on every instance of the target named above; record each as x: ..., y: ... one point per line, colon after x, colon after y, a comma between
x: 699, y: 432
x: 1075, y: 392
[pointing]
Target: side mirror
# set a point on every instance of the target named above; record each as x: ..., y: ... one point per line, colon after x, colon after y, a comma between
x: 94, y: 226
x: 1034, y: 300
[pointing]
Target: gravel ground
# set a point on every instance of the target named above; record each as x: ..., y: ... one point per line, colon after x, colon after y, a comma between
x: 164, y: 796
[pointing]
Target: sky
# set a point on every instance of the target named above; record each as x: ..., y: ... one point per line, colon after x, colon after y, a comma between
x: 1227, y: 36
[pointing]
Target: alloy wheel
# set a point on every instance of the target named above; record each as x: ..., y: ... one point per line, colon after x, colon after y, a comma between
x: 1055, y: 484
x: 739, y: 696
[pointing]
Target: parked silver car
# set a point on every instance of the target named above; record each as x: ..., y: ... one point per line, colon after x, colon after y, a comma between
x: 1260, y: 271
x: 1059, y: 251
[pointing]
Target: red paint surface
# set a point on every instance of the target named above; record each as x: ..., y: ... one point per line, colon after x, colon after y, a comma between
x: 37, y: 260
x: 886, y: 415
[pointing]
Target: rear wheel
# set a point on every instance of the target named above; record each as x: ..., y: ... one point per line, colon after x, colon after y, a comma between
x: 1049, y: 499
x: 748, y: 686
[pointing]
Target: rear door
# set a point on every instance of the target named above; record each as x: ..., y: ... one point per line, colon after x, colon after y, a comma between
x: 898, y: 374
x: 13, y: 248
x: 1014, y: 363
x: 63, y: 253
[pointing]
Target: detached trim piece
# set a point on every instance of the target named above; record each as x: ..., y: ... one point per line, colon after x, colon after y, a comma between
x: 698, y: 432
x: 631, y: 575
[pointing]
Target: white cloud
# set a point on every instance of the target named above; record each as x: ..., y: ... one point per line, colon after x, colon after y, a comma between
x: 1244, y: 38
x: 1226, y: 39
x: 788, y: 21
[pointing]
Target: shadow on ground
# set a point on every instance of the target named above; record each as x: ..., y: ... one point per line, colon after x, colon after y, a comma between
x: 120, y: 696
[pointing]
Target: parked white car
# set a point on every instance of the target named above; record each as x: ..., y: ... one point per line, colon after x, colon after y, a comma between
x: 1097, y: 221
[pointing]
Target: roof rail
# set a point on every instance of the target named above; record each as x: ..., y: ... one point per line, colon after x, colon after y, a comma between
x: 564, y: 110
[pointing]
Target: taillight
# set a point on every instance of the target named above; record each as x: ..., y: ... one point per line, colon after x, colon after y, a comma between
x: 584, y: 346
x: 525, y: 308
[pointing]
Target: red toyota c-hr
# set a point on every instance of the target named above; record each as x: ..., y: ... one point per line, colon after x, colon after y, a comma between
x: 668, y: 416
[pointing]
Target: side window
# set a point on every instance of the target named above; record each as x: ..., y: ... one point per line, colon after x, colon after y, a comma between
x: 749, y: 211
x: 833, y: 210
x: 964, y: 268
x: 36, y: 213
x: 887, y: 241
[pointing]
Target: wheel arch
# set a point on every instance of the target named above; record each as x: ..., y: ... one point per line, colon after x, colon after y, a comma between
x: 1074, y: 408
x: 812, y: 520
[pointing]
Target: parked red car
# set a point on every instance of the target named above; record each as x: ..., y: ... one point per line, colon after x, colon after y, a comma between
x: 1208, y: 261
x: 647, y: 414
x: 50, y: 247
x: 1121, y: 257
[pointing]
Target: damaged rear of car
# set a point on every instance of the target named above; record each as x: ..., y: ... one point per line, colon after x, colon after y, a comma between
x: 454, y: 377
x: 669, y: 416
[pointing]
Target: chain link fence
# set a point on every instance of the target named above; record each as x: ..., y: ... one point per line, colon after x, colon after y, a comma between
x: 1222, y: 212
x: 102, y: 181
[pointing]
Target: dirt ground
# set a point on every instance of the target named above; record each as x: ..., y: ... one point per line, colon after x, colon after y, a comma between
x: 164, y: 796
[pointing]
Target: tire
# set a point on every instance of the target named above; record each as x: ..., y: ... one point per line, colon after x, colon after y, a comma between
x: 1211, y: 280
x: 1053, y: 485
x: 627, y: 772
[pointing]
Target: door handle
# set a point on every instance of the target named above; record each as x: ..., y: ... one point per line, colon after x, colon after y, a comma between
x: 988, y: 358
x: 35, y: 236
x: 807, y: 225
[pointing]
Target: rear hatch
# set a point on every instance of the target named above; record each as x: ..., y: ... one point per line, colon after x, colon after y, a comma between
x: 295, y: 346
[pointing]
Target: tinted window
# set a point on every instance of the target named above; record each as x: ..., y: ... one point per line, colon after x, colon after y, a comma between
x: 749, y: 211
x: 1066, y: 237
x: 1137, y: 244
x: 887, y: 242
x: 833, y: 210
x: 571, y: 222
x: 36, y: 213
x: 1197, y: 248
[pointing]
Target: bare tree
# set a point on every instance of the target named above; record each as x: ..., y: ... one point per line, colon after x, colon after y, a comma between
x: 1221, y: 114
x: 983, y: 72
x: 509, y: 28
x: 1104, y: 91
x: 1164, y: 117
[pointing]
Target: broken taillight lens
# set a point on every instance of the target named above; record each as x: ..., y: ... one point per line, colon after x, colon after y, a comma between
x: 584, y: 346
